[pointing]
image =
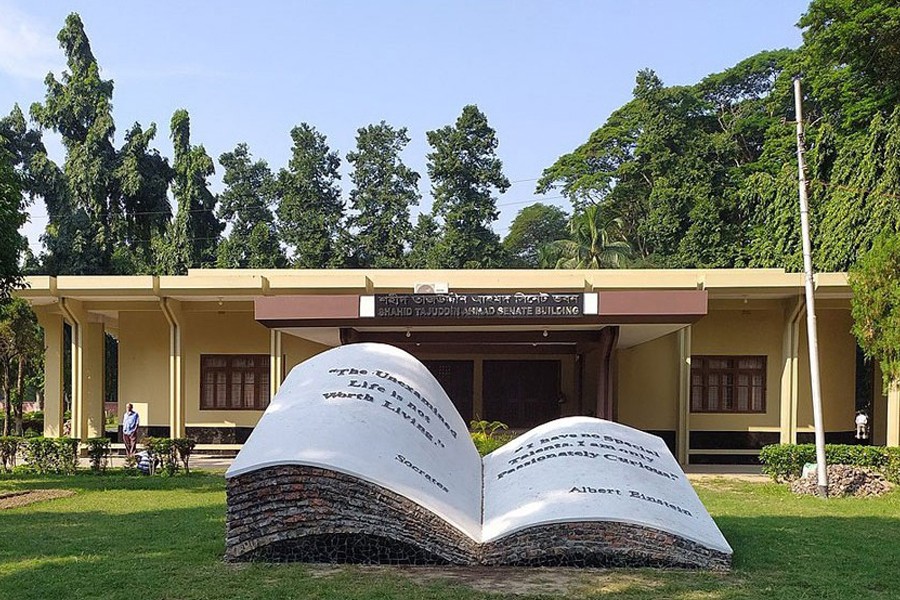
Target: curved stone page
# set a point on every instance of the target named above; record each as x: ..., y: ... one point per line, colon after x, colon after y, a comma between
x: 581, y: 469
x: 374, y: 412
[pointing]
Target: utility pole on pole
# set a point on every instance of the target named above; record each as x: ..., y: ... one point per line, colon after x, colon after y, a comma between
x: 810, y: 300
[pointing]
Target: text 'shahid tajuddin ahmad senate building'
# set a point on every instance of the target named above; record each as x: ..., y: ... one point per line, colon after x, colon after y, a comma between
x: 713, y: 361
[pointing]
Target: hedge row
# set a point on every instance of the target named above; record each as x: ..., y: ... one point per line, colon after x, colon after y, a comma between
x: 60, y: 455
x: 784, y: 462
x: 43, y: 455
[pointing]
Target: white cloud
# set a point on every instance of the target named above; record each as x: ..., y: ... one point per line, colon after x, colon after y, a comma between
x: 26, y: 49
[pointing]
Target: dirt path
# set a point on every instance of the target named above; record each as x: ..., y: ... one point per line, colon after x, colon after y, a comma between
x: 26, y: 497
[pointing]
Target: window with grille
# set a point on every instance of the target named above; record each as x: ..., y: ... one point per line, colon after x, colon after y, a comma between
x: 234, y: 381
x: 728, y: 384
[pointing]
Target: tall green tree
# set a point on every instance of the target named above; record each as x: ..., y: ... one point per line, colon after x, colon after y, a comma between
x: 851, y: 51
x: 143, y: 177
x: 310, y: 208
x: 875, y: 281
x: 12, y: 217
x: 21, y: 354
x: 383, y: 191
x: 595, y: 240
x: 79, y: 109
x: 246, y: 204
x: 193, y: 236
x: 536, y: 226
x: 424, y: 242
x: 466, y: 174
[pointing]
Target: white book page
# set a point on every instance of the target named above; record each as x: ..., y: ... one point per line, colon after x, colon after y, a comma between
x: 585, y: 469
x: 375, y: 412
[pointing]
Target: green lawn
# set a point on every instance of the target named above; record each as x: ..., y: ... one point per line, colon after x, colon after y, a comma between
x: 140, y: 538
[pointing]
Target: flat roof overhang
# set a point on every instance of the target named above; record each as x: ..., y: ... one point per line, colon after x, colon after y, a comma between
x: 613, y: 308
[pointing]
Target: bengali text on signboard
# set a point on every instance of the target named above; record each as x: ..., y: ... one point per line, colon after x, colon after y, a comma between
x: 479, y: 306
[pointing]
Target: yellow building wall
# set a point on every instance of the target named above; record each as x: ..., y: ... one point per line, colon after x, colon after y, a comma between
x: 144, y: 365
x: 218, y: 333
x: 648, y: 384
x: 749, y: 332
x: 296, y: 350
x: 837, y: 368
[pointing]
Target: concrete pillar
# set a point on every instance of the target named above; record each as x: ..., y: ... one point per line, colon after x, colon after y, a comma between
x: 94, y: 380
x: 53, y: 325
x: 172, y: 310
x: 789, y: 375
x: 683, y: 432
x: 276, y: 365
x: 893, y: 415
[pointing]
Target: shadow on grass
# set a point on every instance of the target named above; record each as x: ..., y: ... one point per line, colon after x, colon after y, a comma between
x: 199, y: 481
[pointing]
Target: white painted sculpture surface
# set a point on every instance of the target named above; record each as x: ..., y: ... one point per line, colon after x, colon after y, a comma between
x: 375, y: 412
x: 585, y: 469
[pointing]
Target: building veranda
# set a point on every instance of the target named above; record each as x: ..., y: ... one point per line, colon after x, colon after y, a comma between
x: 713, y: 361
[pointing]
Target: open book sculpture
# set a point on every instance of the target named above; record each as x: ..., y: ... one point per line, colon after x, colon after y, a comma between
x: 362, y: 457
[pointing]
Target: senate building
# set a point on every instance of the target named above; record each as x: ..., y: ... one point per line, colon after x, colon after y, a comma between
x: 714, y: 362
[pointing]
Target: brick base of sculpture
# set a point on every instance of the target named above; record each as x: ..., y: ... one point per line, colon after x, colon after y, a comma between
x: 308, y: 514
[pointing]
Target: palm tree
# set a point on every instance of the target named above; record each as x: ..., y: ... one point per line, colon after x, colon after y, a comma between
x: 596, y: 240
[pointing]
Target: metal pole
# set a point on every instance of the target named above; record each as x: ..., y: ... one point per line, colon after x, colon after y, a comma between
x: 810, y: 302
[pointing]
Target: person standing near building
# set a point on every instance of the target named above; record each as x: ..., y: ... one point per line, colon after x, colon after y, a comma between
x: 130, y: 423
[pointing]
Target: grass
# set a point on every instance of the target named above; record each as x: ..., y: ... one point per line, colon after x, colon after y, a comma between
x: 162, y: 538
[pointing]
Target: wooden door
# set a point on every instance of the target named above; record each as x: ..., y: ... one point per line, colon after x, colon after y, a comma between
x: 521, y: 393
x: 457, y: 379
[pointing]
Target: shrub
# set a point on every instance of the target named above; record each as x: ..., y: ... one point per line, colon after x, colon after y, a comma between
x: 162, y: 454
x: 184, y: 447
x: 98, y: 452
x: 9, y: 448
x: 40, y: 453
x: 485, y: 436
x: 784, y: 462
x: 66, y: 455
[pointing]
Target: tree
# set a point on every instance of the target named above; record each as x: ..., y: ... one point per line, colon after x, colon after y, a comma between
x: 851, y: 51
x: 423, y: 244
x: 596, y: 240
x: 246, y: 204
x: 534, y: 227
x: 309, y: 201
x: 12, y: 217
x: 194, y: 235
x: 21, y: 352
x: 875, y: 305
x: 466, y: 173
x: 143, y: 177
x: 79, y: 108
x: 383, y: 191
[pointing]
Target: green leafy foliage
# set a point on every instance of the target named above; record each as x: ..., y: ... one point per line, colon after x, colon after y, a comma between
x: 193, y: 236
x: 309, y: 201
x: 383, y: 191
x: 184, y: 447
x: 12, y: 217
x: 486, y: 436
x: 9, y: 450
x: 51, y: 455
x: 247, y: 204
x: 21, y: 358
x: 595, y: 240
x: 535, y: 227
x: 784, y: 462
x: 875, y: 281
x: 98, y: 451
x: 465, y: 174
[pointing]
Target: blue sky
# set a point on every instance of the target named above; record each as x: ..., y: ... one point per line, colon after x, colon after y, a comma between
x: 546, y: 73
